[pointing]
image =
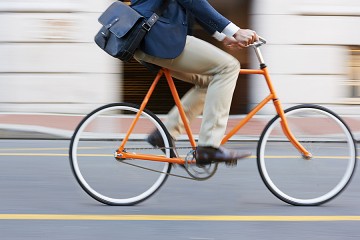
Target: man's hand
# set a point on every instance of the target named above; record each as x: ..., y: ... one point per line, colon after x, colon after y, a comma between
x: 231, y: 43
x: 245, y: 37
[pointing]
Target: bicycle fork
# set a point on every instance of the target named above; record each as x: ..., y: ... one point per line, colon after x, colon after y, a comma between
x: 273, y: 96
x: 280, y: 111
x: 286, y: 129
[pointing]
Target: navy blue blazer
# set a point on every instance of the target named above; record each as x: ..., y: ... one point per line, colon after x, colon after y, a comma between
x: 167, y: 37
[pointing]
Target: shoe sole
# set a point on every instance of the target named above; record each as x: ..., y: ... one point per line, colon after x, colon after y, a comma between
x: 230, y: 163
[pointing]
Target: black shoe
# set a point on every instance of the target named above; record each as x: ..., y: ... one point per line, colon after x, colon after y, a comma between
x: 156, y: 140
x: 208, y: 155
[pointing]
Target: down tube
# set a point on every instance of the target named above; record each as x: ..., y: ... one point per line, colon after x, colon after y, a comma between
x: 235, y: 129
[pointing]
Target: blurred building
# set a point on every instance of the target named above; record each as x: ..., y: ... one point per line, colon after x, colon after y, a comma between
x: 49, y: 62
x: 313, y: 50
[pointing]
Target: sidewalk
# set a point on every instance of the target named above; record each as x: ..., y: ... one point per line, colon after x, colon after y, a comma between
x: 62, y: 126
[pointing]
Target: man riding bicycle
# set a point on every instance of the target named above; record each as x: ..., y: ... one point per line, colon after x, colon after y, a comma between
x: 213, y: 71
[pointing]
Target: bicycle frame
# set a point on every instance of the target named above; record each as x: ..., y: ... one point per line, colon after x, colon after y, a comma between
x: 271, y: 97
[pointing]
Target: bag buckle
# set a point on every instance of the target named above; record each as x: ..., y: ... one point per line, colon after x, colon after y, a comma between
x: 146, y: 26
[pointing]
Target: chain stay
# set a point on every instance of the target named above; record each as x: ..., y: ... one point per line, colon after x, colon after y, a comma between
x: 196, y: 176
x: 153, y: 170
x: 158, y: 148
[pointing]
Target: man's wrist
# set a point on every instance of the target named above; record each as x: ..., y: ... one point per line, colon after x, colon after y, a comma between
x: 219, y: 36
x: 230, y: 29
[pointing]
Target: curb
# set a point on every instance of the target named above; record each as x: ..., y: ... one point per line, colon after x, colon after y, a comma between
x: 62, y: 126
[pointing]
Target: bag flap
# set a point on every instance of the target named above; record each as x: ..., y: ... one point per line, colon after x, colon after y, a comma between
x: 122, y: 14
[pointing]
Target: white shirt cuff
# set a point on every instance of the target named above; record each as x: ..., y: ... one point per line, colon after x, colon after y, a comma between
x: 219, y: 36
x: 230, y: 29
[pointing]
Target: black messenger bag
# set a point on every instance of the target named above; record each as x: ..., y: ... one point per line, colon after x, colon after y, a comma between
x: 123, y: 30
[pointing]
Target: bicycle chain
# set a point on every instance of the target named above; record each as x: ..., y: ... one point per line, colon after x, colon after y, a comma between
x: 157, y: 171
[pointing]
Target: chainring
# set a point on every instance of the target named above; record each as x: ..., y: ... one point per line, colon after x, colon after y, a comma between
x: 199, y: 173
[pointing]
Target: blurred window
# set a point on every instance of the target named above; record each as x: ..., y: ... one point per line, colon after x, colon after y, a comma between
x: 354, y: 74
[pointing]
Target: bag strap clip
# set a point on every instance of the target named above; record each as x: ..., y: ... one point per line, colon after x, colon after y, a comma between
x: 150, y: 22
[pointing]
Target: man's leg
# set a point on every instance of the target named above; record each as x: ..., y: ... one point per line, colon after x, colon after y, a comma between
x: 193, y: 105
x: 209, y: 67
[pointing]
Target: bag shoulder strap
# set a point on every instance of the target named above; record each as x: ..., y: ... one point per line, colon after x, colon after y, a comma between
x: 152, y: 20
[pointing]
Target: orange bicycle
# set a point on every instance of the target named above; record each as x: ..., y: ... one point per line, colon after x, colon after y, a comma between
x: 306, y: 155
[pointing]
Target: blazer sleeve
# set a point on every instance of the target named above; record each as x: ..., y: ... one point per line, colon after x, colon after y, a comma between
x: 206, y: 15
x: 191, y: 19
x: 208, y: 28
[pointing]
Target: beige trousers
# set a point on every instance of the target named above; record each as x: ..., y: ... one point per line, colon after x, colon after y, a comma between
x: 214, y: 74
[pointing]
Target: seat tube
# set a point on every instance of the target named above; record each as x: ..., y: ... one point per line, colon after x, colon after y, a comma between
x: 179, y: 106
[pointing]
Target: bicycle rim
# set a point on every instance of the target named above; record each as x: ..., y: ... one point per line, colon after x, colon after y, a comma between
x: 296, y: 180
x: 99, y: 173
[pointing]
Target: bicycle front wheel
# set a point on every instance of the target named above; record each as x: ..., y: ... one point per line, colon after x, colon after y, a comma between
x: 296, y: 180
x: 110, y: 180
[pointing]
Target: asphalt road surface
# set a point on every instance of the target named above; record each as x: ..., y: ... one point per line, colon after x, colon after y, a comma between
x: 40, y: 199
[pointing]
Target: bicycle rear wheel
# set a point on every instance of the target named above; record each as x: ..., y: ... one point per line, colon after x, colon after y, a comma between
x: 110, y: 180
x: 296, y: 180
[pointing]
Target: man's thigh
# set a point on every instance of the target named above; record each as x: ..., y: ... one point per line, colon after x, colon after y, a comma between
x: 198, y: 62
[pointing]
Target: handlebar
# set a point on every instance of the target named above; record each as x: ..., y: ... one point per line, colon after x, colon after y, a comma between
x: 259, y: 43
x: 263, y: 40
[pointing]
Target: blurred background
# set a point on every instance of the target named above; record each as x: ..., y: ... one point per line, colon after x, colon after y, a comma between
x: 50, y: 64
